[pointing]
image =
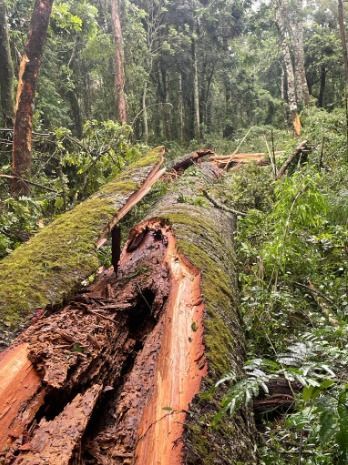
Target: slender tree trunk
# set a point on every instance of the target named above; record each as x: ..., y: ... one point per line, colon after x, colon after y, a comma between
x: 322, y: 86
x: 119, y: 62
x: 72, y: 95
x: 196, y: 100
x: 166, y: 104
x: 6, y: 70
x: 76, y: 112
x: 281, y: 17
x: 181, y: 109
x: 28, y: 77
x: 343, y: 34
x: 145, y: 115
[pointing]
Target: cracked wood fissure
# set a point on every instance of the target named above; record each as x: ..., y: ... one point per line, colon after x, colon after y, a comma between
x: 114, y: 373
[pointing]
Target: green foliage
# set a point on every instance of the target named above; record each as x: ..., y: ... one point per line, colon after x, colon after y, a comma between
x: 292, y: 251
x: 298, y: 214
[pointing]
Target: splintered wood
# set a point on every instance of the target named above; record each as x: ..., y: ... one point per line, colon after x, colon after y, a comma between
x: 109, y: 378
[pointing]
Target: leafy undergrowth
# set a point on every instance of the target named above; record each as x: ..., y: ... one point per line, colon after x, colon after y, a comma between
x: 65, y: 171
x: 293, y: 255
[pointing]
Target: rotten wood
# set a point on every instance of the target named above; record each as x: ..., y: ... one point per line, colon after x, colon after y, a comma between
x: 279, y: 400
x: 120, y: 366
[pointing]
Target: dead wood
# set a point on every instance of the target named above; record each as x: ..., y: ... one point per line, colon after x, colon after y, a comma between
x: 115, y: 372
x: 189, y: 159
x: 303, y: 149
x: 236, y: 159
x: 51, y: 266
x: 279, y: 400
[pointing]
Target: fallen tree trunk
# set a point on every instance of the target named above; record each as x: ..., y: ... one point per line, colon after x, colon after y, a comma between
x: 123, y: 374
x: 51, y: 266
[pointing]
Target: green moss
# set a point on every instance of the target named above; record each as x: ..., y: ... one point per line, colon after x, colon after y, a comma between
x: 217, y: 295
x: 150, y: 158
x: 51, y: 265
x: 200, y: 240
x: 121, y: 186
x: 205, y: 237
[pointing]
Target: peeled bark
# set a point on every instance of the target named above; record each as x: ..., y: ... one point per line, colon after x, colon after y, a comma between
x: 27, y: 82
x: 281, y: 18
x: 51, y: 266
x: 118, y: 371
x: 119, y: 62
x: 6, y: 71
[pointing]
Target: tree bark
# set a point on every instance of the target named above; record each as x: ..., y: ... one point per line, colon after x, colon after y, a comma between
x: 343, y: 35
x: 76, y: 113
x: 281, y: 18
x: 6, y: 71
x: 181, y: 109
x: 297, y: 31
x: 27, y: 82
x: 120, y: 79
x: 54, y: 263
x: 129, y: 357
x: 322, y: 86
x: 145, y: 114
x: 196, y: 102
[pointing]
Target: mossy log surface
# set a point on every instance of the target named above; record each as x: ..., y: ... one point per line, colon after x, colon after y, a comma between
x: 130, y: 363
x: 204, y: 236
x: 50, y: 267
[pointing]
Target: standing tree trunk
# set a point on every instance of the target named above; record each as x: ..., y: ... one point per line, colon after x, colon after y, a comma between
x: 145, y: 115
x: 6, y: 70
x: 343, y: 39
x: 281, y: 20
x: 28, y: 77
x: 322, y: 86
x: 196, y: 103
x: 119, y: 62
x: 181, y: 109
x: 300, y: 72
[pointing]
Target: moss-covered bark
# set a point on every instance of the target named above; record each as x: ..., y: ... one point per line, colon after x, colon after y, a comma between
x: 204, y: 236
x: 50, y: 267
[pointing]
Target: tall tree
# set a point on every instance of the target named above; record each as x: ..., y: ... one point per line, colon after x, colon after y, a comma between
x: 282, y: 16
x: 6, y: 70
x: 343, y: 35
x: 297, y: 32
x: 196, y: 100
x: 119, y: 62
x: 27, y: 82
